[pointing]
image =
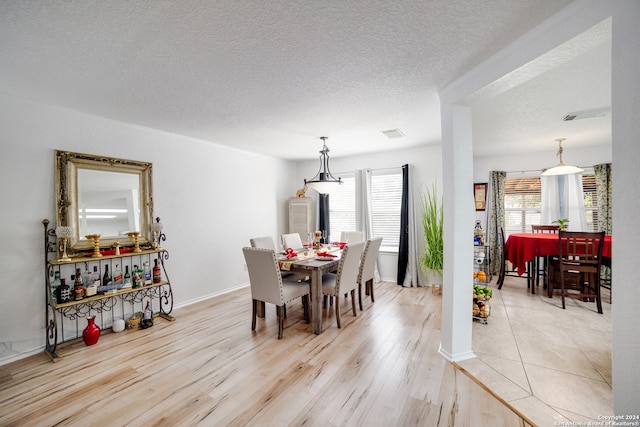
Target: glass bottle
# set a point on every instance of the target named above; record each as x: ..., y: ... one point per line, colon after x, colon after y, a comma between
x: 87, y: 276
x: 117, y: 276
x: 147, y: 274
x: 127, y: 277
x: 147, y: 317
x: 78, y: 286
x: 157, y: 275
x: 106, y: 279
x: 63, y: 292
x: 136, y: 276
x: 95, y: 276
x: 55, y: 284
x: 148, y: 313
x: 92, y: 283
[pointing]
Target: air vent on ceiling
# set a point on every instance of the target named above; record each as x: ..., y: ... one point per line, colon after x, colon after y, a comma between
x: 393, y: 133
x: 587, y: 114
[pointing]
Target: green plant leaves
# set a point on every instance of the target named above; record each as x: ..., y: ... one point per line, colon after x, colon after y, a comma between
x: 432, y: 224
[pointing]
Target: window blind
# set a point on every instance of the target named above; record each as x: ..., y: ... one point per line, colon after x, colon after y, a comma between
x: 342, y: 208
x: 386, y: 201
x: 523, y: 199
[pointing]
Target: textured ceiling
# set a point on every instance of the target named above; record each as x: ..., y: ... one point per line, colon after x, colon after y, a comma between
x: 273, y: 76
x: 524, y: 110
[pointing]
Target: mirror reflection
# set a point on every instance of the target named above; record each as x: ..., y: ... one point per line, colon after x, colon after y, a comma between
x: 108, y: 203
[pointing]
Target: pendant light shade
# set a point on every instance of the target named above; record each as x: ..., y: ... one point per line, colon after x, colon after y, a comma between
x: 323, y: 182
x: 561, y: 169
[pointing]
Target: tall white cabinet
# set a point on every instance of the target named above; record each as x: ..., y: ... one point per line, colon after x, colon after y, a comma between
x: 301, y: 219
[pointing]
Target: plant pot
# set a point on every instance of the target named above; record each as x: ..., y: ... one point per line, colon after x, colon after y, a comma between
x: 91, y: 333
x: 436, y: 288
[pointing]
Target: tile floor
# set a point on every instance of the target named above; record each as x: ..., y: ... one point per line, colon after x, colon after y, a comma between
x: 552, y: 365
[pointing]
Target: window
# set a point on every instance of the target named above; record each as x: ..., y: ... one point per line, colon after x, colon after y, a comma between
x: 342, y: 208
x: 522, y: 203
x: 590, y: 201
x: 386, y: 199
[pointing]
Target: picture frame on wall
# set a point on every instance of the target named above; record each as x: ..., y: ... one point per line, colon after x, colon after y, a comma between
x: 480, y: 195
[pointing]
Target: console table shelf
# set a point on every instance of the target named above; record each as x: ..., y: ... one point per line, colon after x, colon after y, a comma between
x: 63, y: 321
x: 81, y: 259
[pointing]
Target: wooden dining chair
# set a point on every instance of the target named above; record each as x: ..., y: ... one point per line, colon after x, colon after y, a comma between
x: 541, y: 264
x: 503, y: 258
x: 579, y: 265
x: 346, y: 279
x: 268, y: 285
x: 367, y: 268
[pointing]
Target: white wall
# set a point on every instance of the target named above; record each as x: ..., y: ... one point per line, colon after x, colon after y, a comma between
x: 427, y: 162
x: 209, y: 198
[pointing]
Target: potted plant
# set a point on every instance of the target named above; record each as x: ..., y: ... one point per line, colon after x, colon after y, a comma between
x: 562, y: 223
x: 432, y: 223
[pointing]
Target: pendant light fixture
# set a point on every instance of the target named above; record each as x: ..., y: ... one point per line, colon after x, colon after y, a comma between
x: 561, y: 169
x: 323, y: 182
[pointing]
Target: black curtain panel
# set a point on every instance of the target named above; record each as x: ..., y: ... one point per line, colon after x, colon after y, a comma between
x: 403, y: 249
x: 324, y: 217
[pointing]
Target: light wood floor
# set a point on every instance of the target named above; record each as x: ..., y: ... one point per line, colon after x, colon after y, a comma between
x: 208, y: 368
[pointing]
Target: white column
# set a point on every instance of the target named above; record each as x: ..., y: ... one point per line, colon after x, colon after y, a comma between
x: 625, y: 128
x: 457, y: 295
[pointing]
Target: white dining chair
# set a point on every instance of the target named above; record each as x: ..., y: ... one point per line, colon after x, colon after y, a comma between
x: 292, y: 241
x: 268, y: 285
x: 267, y: 243
x: 352, y: 236
x: 367, y: 268
x: 345, y: 280
x: 263, y: 242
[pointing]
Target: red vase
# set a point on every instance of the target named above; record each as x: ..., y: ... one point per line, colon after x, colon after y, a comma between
x: 91, y: 333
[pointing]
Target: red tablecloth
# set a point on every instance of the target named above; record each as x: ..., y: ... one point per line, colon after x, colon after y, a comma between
x: 524, y: 247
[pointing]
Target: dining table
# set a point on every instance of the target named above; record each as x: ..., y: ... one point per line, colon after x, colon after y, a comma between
x: 315, y: 266
x: 523, y: 248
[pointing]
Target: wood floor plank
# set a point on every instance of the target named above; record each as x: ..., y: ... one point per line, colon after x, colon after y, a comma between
x: 382, y: 368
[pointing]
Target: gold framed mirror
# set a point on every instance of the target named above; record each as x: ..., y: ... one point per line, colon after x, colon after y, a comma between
x: 103, y: 195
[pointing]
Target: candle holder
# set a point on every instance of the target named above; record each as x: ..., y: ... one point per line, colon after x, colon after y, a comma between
x: 135, y: 235
x: 156, y: 229
x: 64, y: 232
x: 96, y: 244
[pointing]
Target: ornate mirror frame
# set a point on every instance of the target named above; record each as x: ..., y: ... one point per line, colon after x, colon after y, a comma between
x: 67, y: 166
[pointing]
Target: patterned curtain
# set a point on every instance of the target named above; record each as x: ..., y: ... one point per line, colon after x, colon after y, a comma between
x: 603, y: 190
x: 496, y: 217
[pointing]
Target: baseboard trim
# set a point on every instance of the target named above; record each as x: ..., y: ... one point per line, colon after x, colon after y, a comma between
x: 209, y: 296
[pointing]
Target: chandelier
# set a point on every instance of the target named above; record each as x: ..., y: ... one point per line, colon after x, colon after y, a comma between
x: 561, y: 169
x: 323, y: 182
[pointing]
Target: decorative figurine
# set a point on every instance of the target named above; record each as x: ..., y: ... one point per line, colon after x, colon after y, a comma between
x: 301, y: 192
